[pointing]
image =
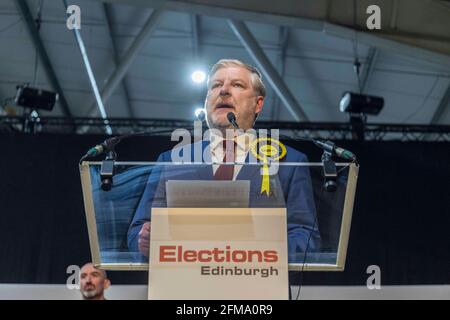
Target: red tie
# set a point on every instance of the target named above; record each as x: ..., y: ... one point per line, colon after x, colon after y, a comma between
x: 226, y: 172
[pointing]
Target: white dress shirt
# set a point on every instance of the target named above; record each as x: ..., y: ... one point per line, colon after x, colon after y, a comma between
x: 242, y: 141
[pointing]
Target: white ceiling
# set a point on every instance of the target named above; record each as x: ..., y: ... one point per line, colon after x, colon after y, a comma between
x: 318, y: 66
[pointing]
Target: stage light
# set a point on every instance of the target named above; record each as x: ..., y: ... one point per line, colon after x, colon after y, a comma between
x: 359, y: 106
x: 200, y: 114
x: 361, y: 103
x: 198, y: 76
x: 34, y: 98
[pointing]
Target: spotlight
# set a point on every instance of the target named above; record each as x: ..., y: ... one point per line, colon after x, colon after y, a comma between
x: 361, y: 103
x: 34, y: 98
x: 198, y: 76
x: 359, y: 106
x: 200, y: 114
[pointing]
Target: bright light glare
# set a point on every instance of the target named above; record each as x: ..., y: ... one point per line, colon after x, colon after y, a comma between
x: 200, y: 113
x: 198, y: 76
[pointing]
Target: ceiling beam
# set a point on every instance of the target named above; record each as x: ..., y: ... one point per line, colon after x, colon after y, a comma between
x: 268, y: 70
x: 196, y: 36
x: 403, y: 44
x: 368, y: 70
x: 24, y: 10
x: 284, y: 34
x: 394, y: 14
x: 443, y: 108
x: 106, y: 9
x: 128, y: 58
x: 91, y: 77
x: 386, y: 44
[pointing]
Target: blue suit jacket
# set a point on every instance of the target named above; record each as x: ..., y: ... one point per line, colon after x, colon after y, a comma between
x: 294, y: 182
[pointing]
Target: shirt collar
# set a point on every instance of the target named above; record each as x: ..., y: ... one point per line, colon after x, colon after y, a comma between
x: 243, y: 141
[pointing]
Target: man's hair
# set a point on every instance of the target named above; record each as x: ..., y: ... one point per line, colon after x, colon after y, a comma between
x: 257, y: 83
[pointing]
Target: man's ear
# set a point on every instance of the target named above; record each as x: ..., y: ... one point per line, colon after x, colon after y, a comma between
x: 259, y: 104
x: 106, y: 283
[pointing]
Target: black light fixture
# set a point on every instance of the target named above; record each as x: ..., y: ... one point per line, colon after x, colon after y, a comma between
x: 34, y: 98
x: 359, y: 106
x: 361, y: 103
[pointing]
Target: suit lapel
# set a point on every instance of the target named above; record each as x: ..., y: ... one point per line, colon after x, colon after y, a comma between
x: 248, y: 171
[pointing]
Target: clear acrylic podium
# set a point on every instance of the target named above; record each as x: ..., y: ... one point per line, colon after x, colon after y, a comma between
x: 317, y: 221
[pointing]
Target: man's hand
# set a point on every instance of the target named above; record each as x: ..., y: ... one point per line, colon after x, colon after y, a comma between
x: 144, y: 239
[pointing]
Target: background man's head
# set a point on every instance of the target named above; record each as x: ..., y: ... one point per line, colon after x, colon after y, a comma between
x: 233, y: 86
x: 93, y: 282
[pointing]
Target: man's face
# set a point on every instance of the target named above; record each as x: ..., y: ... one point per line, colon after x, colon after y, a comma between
x: 92, y: 282
x: 230, y: 90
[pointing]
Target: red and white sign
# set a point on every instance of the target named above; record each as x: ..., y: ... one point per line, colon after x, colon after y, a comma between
x: 218, y: 253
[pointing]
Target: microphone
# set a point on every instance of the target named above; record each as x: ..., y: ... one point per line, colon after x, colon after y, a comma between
x: 103, y: 147
x: 108, y: 145
x: 232, y: 118
x: 333, y: 149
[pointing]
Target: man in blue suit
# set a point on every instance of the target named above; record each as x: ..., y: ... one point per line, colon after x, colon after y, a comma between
x: 235, y: 87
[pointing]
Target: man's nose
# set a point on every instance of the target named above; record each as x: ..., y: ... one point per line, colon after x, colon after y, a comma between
x: 225, y: 89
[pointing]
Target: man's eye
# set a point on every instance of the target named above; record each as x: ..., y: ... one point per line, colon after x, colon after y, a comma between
x: 215, y: 85
x: 238, y: 85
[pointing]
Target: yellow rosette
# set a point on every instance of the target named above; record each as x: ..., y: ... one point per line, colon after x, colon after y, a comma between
x: 268, y: 150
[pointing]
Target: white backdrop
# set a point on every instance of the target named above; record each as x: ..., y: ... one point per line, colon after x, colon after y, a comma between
x: 139, y: 292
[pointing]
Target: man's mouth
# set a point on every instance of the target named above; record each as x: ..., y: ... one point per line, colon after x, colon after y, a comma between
x: 224, y: 105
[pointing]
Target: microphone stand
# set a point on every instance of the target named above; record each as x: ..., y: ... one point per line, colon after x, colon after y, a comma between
x: 107, y: 169
x: 329, y: 171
